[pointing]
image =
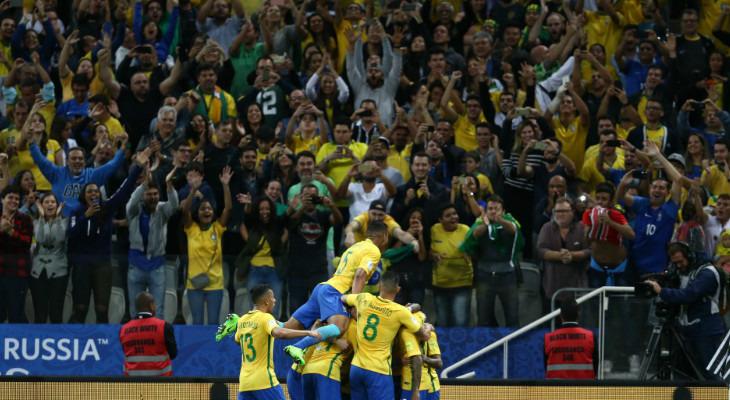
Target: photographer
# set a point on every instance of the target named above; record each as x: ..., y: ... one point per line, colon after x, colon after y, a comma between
x: 700, y: 322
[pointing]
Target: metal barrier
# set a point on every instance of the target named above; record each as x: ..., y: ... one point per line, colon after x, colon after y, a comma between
x: 600, y: 292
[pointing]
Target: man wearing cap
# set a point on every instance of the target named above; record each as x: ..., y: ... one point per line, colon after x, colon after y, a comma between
x: 372, y: 83
x: 361, y: 194
x: 356, y: 230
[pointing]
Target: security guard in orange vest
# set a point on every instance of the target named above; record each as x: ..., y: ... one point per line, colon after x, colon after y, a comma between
x: 148, y: 342
x: 571, y: 352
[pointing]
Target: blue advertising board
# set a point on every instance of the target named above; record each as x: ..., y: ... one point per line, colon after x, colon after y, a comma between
x: 94, y: 350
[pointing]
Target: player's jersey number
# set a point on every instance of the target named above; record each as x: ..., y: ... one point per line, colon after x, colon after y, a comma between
x: 370, y: 332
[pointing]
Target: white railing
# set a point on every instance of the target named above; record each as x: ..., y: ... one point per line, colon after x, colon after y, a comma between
x: 603, y: 304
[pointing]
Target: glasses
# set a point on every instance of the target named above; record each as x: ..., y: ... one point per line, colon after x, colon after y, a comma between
x: 197, y: 122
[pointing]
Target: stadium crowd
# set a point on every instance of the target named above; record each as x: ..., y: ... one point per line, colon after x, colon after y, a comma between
x: 252, y: 141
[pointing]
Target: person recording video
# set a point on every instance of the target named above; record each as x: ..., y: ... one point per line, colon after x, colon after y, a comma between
x: 699, y: 321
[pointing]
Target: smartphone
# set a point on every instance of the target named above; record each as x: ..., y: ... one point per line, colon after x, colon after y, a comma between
x: 613, y: 143
x: 317, y: 200
x: 639, y: 34
x: 463, y: 181
x: 697, y: 104
x: 430, y: 128
x: 365, y: 168
x: 522, y: 112
x: 144, y: 50
x: 265, y: 75
x: 409, y: 7
x: 640, y: 175
x: 370, y: 21
x: 341, y: 148
x: 96, y: 201
x: 540, y: 146
x: 366, y: 113
x: 278, y: 59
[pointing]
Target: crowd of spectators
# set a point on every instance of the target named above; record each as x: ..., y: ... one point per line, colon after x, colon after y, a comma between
x: 248, y: 142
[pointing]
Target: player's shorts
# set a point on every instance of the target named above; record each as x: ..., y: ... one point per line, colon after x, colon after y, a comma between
x: 406, y: 394
x: 294, y: 385
x: 316, y: 386
x: 433, y: 395
x: 369, y: 385
x: 324, y: 302
x: 274, y: 393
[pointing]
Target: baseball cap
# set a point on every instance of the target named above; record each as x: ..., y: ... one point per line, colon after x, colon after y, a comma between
x: 384, y: 140
x: 677, y: 158
x: 377, y: 205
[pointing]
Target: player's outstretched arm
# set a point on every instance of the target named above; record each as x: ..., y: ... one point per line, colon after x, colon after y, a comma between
x: 284, y: 333
x: 361, y: 278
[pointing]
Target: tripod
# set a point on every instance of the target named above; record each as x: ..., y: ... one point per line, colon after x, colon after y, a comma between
x: 663, y: 336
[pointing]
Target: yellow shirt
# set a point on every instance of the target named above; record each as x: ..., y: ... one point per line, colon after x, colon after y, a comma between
x: 8, y: 138
x: 25, y: 161
x: 263, y: 258
x: 401, y: 160
x: 338, y: 169
x: 410, y: 346
x: 592, y: 176
x: 362, y: 255
x: 573, y: 138
x: 519, y: 101
x: 257, y: 351
x: 465, y: 132
x: 623, y: 133
x: 260, y: 158
x: 718, y: 182
x: 8, y: 56
x: 453, y: 270
x: 205, y: 255
x: 230, y: 106
x: 641, y: 108
x: 710, y: 12
x: 658, y: 136
x: 298, y: 144
x: 327, y: 358
x: 593, y: 152
x: 95, y: 87
x: 378, y: 322
x: 432, y: 349
x: 343, y: 43
x: 307, y: 355
x: 114, y: 127
x: 631, y: 9
x: 364, y: 218
x: 601, y: 29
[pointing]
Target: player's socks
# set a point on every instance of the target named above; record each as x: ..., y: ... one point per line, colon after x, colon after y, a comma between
x: 327, y: 332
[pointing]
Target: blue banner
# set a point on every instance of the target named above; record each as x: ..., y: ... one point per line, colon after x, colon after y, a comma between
x: 94, y: 350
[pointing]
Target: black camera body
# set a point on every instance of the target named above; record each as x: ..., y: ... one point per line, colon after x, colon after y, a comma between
x: 667, y: 279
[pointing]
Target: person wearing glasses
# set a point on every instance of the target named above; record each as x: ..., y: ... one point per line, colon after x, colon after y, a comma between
x: 654, y: 130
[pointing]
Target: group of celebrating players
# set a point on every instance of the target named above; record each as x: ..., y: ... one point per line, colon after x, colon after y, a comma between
x: 383, y: 344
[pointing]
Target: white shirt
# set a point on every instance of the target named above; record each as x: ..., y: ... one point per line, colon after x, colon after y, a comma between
x: 713, y: 228
x: 360, y: 201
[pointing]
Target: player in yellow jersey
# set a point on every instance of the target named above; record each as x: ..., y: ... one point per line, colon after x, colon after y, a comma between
x: 356, y: 266
x: 409, y: 349
x: 378, y: 320
x: 431, y: 362
x: 255, y: 334
x: 321, y: 378
x: 294, y: 377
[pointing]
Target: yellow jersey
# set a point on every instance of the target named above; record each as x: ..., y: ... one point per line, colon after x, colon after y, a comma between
x: 401, y: 160
x: 25, y: 161
x: 205, y: 254
x: 454, y: 270
x: 409, y: 346
x: 362, y: 255
x: 253, y: 334
x: 96, y: 86
x: 601, y: 29
x: 432, y: 349
x: 307, y: 356
x: 338, y: 169
x: 465, y: 133
x: 262, y: 258
x: 327, y: 358
x: 364, y: 218
x: 592, y: 176
x: 298, y: 144
x: 573, y: 138
x: 718, y: 182
x: 378, y: 322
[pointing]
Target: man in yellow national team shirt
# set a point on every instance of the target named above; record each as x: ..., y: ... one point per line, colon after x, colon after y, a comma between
x: 356, y: 266
x: 379, y: 319
x: 570, y: 129
x: 255, y: 333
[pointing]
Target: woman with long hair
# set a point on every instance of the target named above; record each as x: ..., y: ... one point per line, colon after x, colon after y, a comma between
x: 465, y: 195
x: 321, y: 34
x: 697, y: 155
x: 312, y: 63
x: 49, y: 273
x: 90, y: 243
x: 328, y: 91
x: 25, y: 181
x: 413, y: 269
x: 263, y: 258
x: 62, y: 132
x: 148, y: 33
x: 205, y: 258
x: 253, y: 119
x: 197, y: 132
x: 35, y: 130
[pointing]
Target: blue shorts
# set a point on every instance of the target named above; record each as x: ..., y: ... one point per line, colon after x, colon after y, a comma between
x: 369, y: 385
x: 294, y: 385
x: 324, y: 302
x: 406, y: 394
x: 274, y: 393
x: 433, y: 395
x: 316, y: 386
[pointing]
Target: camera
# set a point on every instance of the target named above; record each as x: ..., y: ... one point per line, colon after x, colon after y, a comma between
x: 317, y: 200
x: 667, y: 279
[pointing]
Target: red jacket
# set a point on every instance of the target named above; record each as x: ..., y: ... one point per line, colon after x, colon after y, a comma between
x: 569, y: 353
x: 145, y: 352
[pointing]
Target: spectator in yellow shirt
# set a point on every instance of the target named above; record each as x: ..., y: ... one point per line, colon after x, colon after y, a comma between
x: 570, y: 129
x: 597, y: 167
x: 717, y: 177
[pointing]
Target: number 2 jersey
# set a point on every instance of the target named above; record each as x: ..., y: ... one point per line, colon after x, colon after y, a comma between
x: 378, y: 322
x: 253, y: 334
x: 363, y: 255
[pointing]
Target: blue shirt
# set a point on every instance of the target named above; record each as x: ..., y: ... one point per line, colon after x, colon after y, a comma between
x: 71, y: 108
x: 653, y: 228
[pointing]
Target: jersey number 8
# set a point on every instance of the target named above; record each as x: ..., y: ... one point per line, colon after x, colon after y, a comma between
x: 372, y: 326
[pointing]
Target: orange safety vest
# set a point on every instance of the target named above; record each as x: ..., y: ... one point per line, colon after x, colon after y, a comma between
x: 145, y: 352
x: 569, y: 353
